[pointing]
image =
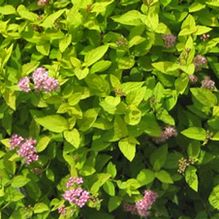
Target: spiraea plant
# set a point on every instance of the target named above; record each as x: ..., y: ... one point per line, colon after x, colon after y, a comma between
x: 109, y: 109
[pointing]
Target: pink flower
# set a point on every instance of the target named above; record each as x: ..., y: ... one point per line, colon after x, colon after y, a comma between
x: 42, y: 81
x: 77, y: 196
x: 142, y: 206
x: 28, y: 151
x: 15, y: 141
x: 168, y: 132
x: 74, y: 180
x: 24, y: 84
x: 50, y: 84
x: 62, y: 210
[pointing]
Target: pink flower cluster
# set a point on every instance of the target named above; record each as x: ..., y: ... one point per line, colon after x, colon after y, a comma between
x: 74, y: 180
x: 41, y: 80
x: 142, y: 206
x: 25, y: 148
x: 168, y: 132
x: 76, y: 195
x: 62, y: 210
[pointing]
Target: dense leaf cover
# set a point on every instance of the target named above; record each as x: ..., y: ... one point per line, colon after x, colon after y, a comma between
x: 109, y: 109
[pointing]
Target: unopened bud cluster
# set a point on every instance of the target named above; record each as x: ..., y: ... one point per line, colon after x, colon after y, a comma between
x: 75, y: 194
x: 42, y: 2
x: 142, y: 206
x: 205, y: 37
x: 183, y: 163
x: 199, y: 61
x: 193, y: 79
x: 25, y: 148
x: 168, y: 132
x: 41, y: 81
x: 169, y: 40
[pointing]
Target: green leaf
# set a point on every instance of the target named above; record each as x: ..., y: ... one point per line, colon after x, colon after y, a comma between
x: 102, y: 178
x: 65, y: 42
x: 127, y: 147
x: 158, y: 157
x: 94, y: 55
x: 89, y: 117
x: 54, y: 123
x: 192, y: 178
x: 164, y: 177
x: 215, y: 137
x: 73, y: 137
x: 195, y: 133
x: 40, y: 207
x: 133, y: 115
x: 202, y: 29
x: 26, y: 14
x: 114, y: 203
x: 196, y: 6
x: 169, y: 68
x: 214, y: 197
x: 7, y: 10
x: 100, y: 66
x: 109, y: 188
x: 132, y: 18
x: 145, y: 177
x: 19, y: 181
x: 49, y: 21
x: 42, y: 143
x: 44, y: 49
x: 204, y: 96
x: 81, y: 73
x: 111, y: 169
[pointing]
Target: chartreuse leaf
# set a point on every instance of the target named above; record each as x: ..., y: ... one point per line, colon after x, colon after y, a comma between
x: 188, y: 26
x: 192, y: 178
x: 73, y: 137
x: 19, y: 181
x: 145, y: 177
x: 164, y: 177
x: 26, y: 14
x: 7, y: 9
x: 109, y: 188
x: 50, y: 20
x: 196, y: 133
x: 40, y: 207
x: 133, y: 115
x: 214, y: 197
x: 95, y: 54
x: 114, y: 203
x: 101, y: 179
x: 166, y: 67
x: 54, y: 123
x: 111, y: 169
x: 132, y: 18
x: 204, y: 96
x: 128, y: 147
x: 42, y: 143
x: 89, y: 117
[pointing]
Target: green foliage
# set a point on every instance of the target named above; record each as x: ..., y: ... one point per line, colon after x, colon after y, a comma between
x: 130, y: 72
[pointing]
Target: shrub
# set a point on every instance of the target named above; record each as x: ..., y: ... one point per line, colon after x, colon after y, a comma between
x: 109, y: 109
